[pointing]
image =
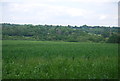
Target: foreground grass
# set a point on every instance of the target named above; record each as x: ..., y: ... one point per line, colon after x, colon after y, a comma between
x: 59, y: 60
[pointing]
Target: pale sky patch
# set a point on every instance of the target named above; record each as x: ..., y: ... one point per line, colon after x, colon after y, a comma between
x: 102, y: 17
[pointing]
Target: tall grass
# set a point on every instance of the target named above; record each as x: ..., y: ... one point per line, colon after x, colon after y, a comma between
x: 59, y: 60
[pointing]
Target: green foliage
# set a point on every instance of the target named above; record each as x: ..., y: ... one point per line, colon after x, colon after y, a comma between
x: 57, y: 33
x: 59, y: 60
x: 115, y: 38
x: 95, y: 38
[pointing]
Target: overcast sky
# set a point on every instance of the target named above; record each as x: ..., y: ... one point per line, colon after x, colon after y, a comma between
x: 60, y: 12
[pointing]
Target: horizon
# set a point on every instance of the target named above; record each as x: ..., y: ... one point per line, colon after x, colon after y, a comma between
x: 59, y: 25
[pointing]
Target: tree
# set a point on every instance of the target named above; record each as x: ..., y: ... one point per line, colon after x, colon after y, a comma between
x: 114, y: 39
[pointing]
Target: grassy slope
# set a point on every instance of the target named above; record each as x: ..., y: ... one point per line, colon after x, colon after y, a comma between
x: 44, y: 59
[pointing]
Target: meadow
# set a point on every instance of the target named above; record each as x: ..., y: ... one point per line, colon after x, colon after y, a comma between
x: 24, y: 59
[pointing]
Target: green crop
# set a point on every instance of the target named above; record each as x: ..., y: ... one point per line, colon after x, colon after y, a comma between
x: 59, y: 60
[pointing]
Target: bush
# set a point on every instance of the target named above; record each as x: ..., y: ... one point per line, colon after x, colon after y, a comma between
x: 114, y: 39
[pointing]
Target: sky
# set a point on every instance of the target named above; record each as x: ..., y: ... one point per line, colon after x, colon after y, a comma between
x: 60, y: 12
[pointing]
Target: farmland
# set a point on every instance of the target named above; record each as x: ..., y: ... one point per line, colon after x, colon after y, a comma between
x: 25, y: 59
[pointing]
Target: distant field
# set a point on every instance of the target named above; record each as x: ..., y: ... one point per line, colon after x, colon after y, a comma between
x: 59, y: 60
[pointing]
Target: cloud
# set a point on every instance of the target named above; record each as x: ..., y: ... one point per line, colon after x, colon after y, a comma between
x: 45, y: 9
x: 102, y: 17
x: 74, y: 12
x: 95, y: 1
x: 98, y: 1
x: 0, y: 13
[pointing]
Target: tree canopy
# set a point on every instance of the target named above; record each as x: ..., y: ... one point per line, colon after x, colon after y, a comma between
x: 60, y: 33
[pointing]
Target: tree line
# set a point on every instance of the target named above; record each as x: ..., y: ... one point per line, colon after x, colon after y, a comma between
x: 60, y: 33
